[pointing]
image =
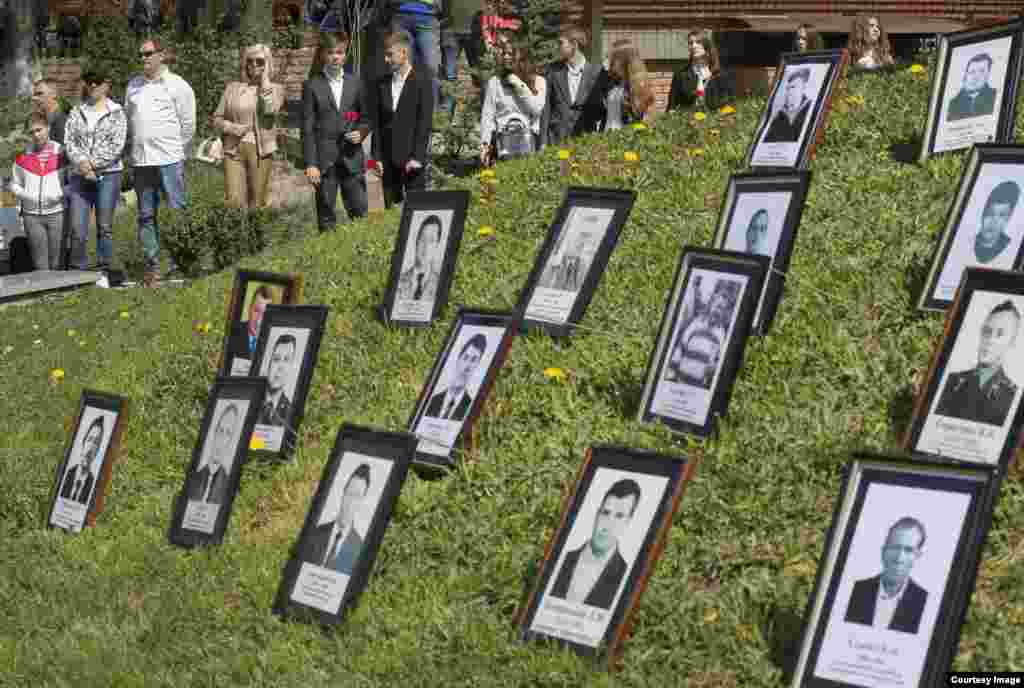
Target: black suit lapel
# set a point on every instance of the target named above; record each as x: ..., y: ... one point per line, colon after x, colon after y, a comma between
x: 324, y: 87
x: 404, y: 98
x: 590, y: 72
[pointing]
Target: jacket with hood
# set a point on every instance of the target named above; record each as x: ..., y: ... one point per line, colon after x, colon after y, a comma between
x: 104, y: 145
x: 39, y: 186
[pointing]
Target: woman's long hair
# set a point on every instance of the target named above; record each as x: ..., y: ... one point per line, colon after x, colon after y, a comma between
x: 860, y: 41
x: 710, y: 51
x: 521, y: 65
x: 814, y: 41
x: 638, y: 81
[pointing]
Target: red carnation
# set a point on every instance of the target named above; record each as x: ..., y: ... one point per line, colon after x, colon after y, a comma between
x: 700, y: 92
x: 351, y: 116
x: 371, y: 164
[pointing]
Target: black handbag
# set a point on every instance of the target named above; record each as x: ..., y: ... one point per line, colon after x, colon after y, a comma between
x: 514, y: 140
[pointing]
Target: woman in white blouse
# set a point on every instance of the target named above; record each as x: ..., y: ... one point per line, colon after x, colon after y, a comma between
x: 513, y: 102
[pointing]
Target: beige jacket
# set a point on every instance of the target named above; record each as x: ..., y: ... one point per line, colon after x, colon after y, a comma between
x: 235, y: 115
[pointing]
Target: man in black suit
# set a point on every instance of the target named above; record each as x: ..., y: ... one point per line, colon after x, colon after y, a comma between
x: 333, y: 129
x: 985, y: 393
x: 421, y: 280
x: 79, y: 480
x: 592, y: 574
x: 210, y: 483
x: 892, y: 600
x: 573, y: 104
x: 788, y: 122
x: 277, y: 409
x: 337, y: 544
x: 453, y: 402
x: 975, y: 97
x: 402, y: 113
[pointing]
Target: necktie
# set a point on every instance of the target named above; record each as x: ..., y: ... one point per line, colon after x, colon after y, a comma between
x: 448, y: 409
x: 206, y: 487
x: 78, y: 489
x: 268, y: 412
x: 330, y: 553
x: 419, y: 287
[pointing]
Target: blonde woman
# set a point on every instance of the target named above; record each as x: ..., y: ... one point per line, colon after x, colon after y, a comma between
x: 249, y: 137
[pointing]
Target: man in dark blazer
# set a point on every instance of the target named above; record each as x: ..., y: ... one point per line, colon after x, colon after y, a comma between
x: 277, y: 408
x: 788, y: 122
x: 453, y: 402
x: 574, y: 105
x: 402, y: 114
x: 79, y: 480
x: 210, y: 483
x: 333, y: 129
x: 892, y: 595
x: 593, y: 573
x: 336, y: 544
x: 976, y: 97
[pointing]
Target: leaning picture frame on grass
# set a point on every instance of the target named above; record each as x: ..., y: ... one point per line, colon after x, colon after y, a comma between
x: 573, y: 257
x: 974, y: 87
x: 460, y: 380
x: 799, y: 103
x: 81, y: 480
x: 424, y: 258
x: 760, y: 215
x: 613, y: 526
x: 331, y: 561
x: 896, y: 574
x: 984, y: 225
x: 970, y: 407
x: 203, y: 507
x: 286, y: 355
x: 252, y: 292
x: 700, y: 343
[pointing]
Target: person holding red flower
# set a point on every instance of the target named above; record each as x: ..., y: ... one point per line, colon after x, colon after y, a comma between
x: 700, y: 83
x: 333, y: 130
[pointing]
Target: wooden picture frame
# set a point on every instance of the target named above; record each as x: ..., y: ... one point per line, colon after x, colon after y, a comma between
x: 249, y: 298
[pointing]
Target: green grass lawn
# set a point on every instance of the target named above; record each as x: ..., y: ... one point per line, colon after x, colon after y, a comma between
x: 118, y: 606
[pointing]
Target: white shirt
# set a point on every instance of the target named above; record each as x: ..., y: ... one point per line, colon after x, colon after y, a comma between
x: 503, y: 103
x: 575, y: 76
x: 209, y: 481
x: 397, y: 84
x: 451, y: 399
x: 336, y: 86
x: 885, y: 607
x: 613, y: 102
x: 161, y: 119
x: 91, y: 117
x: 338, y: 535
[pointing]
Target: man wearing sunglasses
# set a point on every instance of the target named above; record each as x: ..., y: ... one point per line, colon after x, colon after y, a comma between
x: 161, y: 109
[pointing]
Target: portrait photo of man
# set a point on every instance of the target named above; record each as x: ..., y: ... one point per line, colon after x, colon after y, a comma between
x: 280, y: 372
x: 568, y: 272
x: 788, y: 122
x: 593, y: 573
x: 975, y: 97
x: 420, y: 280
x: 694, y: 358
x: 992, y: 239
x: 984, y: 393
x: 453, y: 402
x: 757, y: 234
x: 337, y: 544
x: 244, y: 333
x: 892, y: 600
x: 209, y: 484
x: 79, y: 479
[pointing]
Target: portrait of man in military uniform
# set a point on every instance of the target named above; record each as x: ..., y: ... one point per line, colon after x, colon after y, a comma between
x: 280, y: 372
x: 992, y: 238
x: 985, y: 393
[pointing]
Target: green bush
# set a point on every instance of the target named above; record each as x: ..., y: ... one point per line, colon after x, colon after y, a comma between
x: 226, y: 231
x: 185, y: 235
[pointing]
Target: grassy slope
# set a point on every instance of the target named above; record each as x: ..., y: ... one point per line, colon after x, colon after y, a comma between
x: 119, y: 606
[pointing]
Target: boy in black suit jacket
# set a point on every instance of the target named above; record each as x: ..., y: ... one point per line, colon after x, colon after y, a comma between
x: 574, y: 84
x: 402, y: 113
x: 333, y: 129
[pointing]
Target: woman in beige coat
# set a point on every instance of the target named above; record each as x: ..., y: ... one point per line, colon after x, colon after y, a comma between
x: 245, y: 117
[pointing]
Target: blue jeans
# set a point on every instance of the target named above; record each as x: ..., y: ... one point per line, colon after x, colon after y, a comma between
x: 149, y: 182
x: 426, y: 42
x: 84, y: 195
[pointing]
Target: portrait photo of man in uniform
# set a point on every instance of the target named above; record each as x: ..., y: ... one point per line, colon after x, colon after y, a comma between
x: 992, y: 239
x: 80, y: 477
x: 420, y: 280
x: 280, y: 369
x: 975, y: 97
x: 336, y: 543
x: 209, y: 484
x: 454, y: 401
x: 593, y: 573
x: 788, y: 121
x: 985, y: 393
x: 892, y: 600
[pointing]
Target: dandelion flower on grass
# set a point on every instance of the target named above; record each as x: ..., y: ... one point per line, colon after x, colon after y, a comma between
x: 699, y: 116
x: 201, y: 326
x: 125, y: 315
x: 564, y: 154
x: 727, y: 110
x: 488, y: 174
x: 485, y: 231
x: 554, y: 373
x: 56, y: 376
x: 639, y: 126
x: 631, y: 156
x: 917, y: 69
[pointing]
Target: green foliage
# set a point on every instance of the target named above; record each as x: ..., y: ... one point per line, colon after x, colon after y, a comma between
x: 14, y: 114
x: 185, y: 235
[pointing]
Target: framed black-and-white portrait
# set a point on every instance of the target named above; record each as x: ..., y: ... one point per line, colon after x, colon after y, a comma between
x: 80, y: 483
x: 701, y: 339
x: 332, y: 559
x: 425, y: 255
x: 459, y: 382
x: 797, y: 109
x: 203, y: 507
x: 970, y: 404
x: 250, y: 296
x: 896, y: 574
x: 974, y: 89
x: 286, y: 355
x: 572, y: 259
x: 760, y: 215
x: 985, y: 224
x: 613, y: 526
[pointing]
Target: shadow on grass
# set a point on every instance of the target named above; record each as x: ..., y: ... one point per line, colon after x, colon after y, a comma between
x: 783, y: 629
x: 901, y: 409
x: 906, y: 151
x: 914, y: 282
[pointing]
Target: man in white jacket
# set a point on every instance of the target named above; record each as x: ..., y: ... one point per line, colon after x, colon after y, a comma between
x: 38, y: 183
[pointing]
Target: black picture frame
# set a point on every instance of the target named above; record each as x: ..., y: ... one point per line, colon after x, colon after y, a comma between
x: 546, y: 310
x: 401, y: 308
x: 988, y: 187
x: 957, y: 417
x: 964, y: 46
x: 203, y: 508
x: 778, y: 238
x: 75, y: 502
x: 772, y: 146
x: 431, y: 421
x: 598, y: 625
x: 309, y: 590
x: 671, y: 384
x: 916, y: 647
x: 237, y: 339
x: 305, y: 325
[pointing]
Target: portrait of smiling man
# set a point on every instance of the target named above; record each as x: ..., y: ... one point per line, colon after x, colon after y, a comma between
x: 976, y: 97
x: 592, y: 574
x: 78, y: 481
x: 280, y: 373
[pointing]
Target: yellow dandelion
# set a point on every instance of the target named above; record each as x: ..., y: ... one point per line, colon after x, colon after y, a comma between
x: 57, y: 375
x: 696, y: 152
x: 630, y: 156
x: 564, y: 154
x: 917, y: 69
x: 71, y: 333
x: 699, y: 116
x: 554, y: 373
x: 711, y: 616
x: 727, y: 110
x: 488, y: 174
x: 125, y: 315
x: 639, y: 126
x: 485, y: 231
x: 202, y: 327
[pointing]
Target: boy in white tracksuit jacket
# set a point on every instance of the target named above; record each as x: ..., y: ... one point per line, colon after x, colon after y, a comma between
x: 38, y: 182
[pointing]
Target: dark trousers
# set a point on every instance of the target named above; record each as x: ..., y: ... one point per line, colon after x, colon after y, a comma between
x: 397, y: 183
x: 353, y: 195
